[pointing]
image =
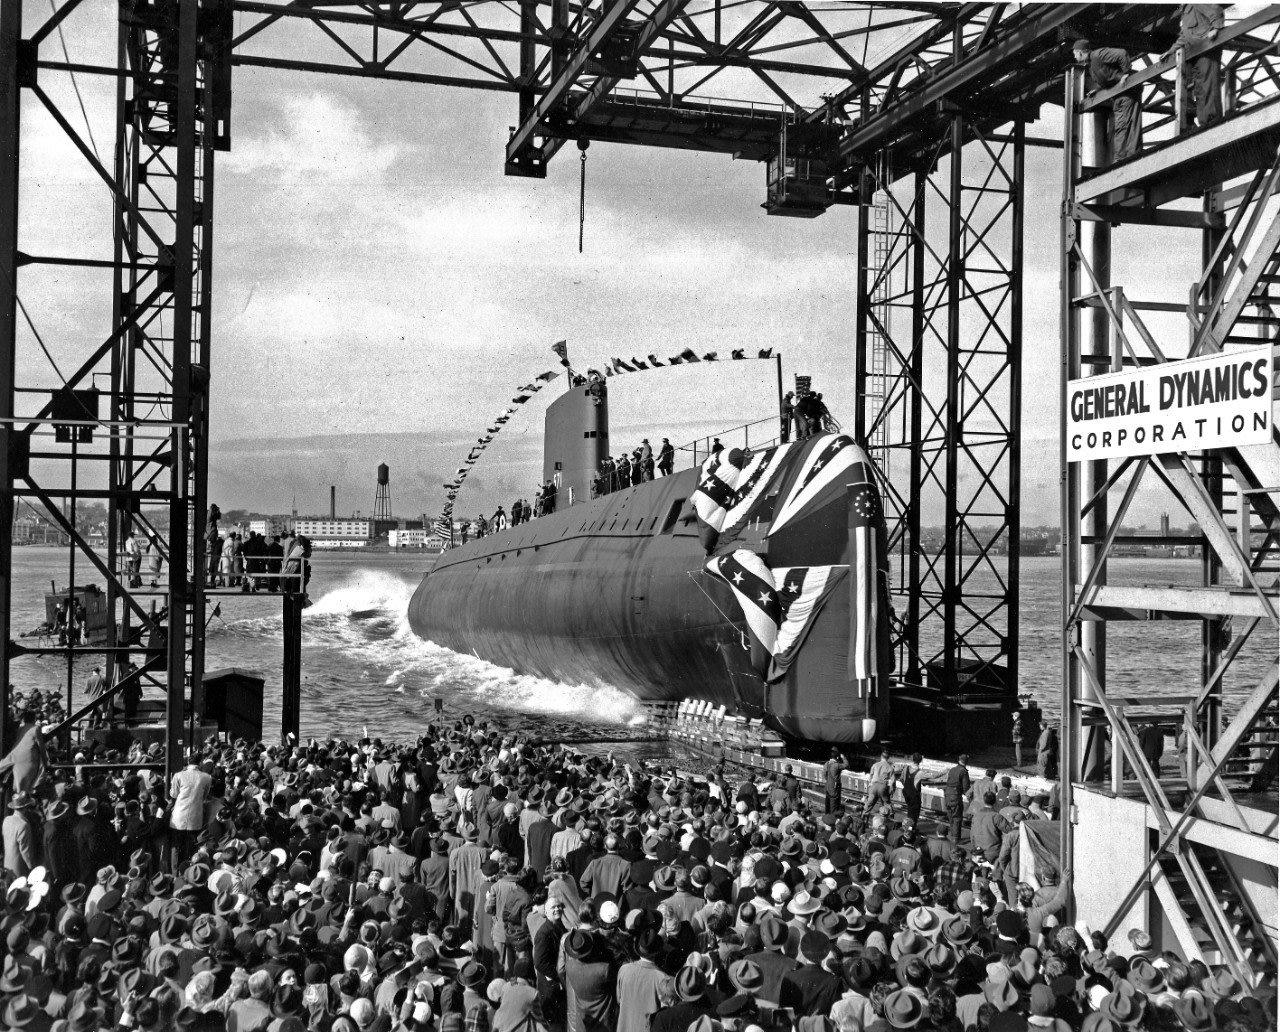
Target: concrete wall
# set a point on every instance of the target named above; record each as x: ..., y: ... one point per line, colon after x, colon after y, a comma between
x: 1111, y: 851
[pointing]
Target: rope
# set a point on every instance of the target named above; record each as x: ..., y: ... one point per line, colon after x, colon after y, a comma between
x: 728, y: 619
x: 75, y: 86
x: 39, y: 339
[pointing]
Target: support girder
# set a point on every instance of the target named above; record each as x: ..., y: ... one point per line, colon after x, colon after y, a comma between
x: 520, y: 146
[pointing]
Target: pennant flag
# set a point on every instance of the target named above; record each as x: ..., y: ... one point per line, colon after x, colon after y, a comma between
x: 738, y: 353
x: 802, y: 592
x: 752, y: 586
x: 689, y: 355
x: 561, y: 348
x: 547, y: 377
x: 865, y: 519
x: 638, y: 364
x: 675, y: 360
x: 501, y: 419
x: 653, y: 361
x: 710, y: 356
x: 520, y: 400
x: 832, y: 462
x: 595, y: 374
x: 529, y: 388
x: 621, y: 366
x: 766, y: 353
x: 608, y: 370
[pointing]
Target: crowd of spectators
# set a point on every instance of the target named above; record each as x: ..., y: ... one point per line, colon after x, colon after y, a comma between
x: 478, y: 881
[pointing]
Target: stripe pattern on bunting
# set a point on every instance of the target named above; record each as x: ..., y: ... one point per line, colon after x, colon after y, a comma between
x: 726, y: 495
x: 753, y: 587
x: 753, y: 483
x: 833, y: 463
x: 864, y: 520
x: 803, y: 592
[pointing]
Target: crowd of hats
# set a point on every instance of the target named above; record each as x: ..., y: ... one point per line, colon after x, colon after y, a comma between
x: 307, y: 904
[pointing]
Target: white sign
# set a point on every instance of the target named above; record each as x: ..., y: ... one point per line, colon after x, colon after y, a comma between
x: 1217, y: 401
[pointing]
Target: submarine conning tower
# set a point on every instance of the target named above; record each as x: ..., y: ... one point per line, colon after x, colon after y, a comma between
x: 576, y: 441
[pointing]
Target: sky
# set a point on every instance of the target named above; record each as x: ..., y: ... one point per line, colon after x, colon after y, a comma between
x: 381, y: 288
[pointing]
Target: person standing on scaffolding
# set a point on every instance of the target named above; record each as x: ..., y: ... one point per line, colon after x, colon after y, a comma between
x: 1105, y: 68
x: 1199, y: 24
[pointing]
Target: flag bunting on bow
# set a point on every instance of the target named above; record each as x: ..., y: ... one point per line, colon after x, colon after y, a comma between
x: 752, y: 586
x: 831, y: 464
x: 802, y: 592
x: 864, y: 612
x: 726, y: 495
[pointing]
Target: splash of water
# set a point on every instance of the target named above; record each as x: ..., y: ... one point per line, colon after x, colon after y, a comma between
x: 365, y: 618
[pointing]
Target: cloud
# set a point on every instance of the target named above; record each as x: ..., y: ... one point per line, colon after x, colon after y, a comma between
x: 315, y: 139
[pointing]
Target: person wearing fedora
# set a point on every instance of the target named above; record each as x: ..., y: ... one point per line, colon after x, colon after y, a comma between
x: 771, y: 960
x: 903, y: 1009
x: 640, y: 983
x: 22, y: 842
x: 589, y: 982
x: 802, y: 906
x: 811, y: 988
x: 690, y: 1004
x: 832, y: 774
x: 465, y: 877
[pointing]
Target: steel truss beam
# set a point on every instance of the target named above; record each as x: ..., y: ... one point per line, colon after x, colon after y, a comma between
x: 938, y: 381
x: 1232, y: 495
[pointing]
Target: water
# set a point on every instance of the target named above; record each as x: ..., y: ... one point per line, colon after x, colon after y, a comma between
x: 363, y: 667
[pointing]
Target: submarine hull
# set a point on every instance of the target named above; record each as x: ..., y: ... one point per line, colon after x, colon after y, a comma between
x: 616, y: 591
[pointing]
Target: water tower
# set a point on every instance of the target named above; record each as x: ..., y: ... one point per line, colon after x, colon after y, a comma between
x: 382, y: 499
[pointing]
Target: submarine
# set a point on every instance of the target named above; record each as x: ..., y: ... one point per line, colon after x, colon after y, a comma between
x: 756, y: 582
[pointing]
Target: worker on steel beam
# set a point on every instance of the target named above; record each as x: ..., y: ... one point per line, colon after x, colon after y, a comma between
x: 1105, y: 68
x: 1199, y: 24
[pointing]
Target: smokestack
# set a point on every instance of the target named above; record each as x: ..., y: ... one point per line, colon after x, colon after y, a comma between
x: 333, y: 501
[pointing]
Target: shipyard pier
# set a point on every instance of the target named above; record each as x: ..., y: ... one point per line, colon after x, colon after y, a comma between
x: 1022, y: 266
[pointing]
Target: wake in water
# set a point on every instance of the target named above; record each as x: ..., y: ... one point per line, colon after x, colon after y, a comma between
x: 364, y: 620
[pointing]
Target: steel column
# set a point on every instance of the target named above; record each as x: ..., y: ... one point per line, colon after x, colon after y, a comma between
x: 915, y: 416
x: 954, y: 426
x: 291, y: 701
x: 1096, y: 344
x: 10, y: 110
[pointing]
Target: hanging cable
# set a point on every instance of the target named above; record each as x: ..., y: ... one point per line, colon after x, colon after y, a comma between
x: 40, y: 340
x: 582, y: 192
x: 76, y: 86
